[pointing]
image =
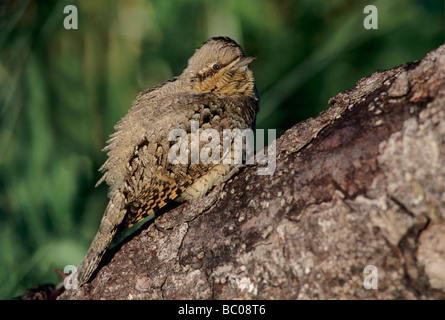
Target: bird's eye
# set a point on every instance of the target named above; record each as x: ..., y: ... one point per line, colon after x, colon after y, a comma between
x: 216, y: 67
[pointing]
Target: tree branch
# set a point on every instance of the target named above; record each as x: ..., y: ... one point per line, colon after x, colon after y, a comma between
x: 362, y: 184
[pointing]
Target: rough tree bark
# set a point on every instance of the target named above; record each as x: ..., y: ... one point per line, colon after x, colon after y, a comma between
x: 361, y: 184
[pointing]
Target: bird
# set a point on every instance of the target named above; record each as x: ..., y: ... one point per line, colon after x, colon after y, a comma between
x: 216, y: 90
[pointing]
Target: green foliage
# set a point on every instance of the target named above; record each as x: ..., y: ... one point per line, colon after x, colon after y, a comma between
x: 62, y: 91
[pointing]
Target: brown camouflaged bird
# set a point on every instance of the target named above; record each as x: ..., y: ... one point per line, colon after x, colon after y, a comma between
x: 217, y: 89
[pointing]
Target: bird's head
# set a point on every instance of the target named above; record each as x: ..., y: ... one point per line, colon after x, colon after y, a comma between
x: 219, y: 66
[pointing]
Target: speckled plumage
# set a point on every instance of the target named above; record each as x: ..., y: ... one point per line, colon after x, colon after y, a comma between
x: 217, y: 89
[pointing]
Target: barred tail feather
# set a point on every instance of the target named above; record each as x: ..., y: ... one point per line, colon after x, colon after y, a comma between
x: 113, y: 216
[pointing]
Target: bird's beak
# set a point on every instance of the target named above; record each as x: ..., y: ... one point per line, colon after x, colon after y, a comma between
x: 243, y: 61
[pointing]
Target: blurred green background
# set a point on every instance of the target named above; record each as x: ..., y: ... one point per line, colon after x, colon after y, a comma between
x: 62, y: 91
